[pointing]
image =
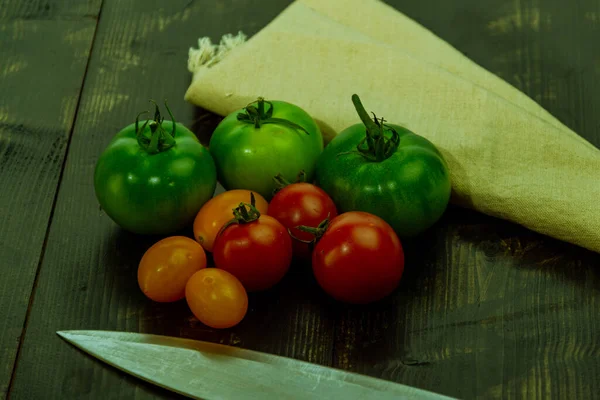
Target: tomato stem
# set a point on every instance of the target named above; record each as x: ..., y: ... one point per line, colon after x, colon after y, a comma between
x: 281, y: 182
x: 158, y: 138
x: 301, y: 177
x: 375, y: 146
x: 317, y: 231
x: 244, y: 213
x: 259, y: 115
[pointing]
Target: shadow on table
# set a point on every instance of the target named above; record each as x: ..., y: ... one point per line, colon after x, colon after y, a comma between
x: 204, y: 123
x: 524, y: 250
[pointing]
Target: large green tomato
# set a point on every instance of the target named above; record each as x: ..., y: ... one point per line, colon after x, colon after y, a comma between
x: 254, y: 144
x: 386, y: 170
x: 154, y: 177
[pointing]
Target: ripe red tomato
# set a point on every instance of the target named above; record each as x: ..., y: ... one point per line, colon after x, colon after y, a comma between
x: 216, y: 298
x: 166, y: 267
x: 217, y: 211
x: 257, y: 250
x: 301, y: 204
x: 358, y: 259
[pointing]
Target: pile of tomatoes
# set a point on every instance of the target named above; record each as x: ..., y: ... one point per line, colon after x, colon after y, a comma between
x: 285, y: 198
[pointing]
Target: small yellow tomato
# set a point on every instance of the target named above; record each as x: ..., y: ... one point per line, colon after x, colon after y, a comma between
x: 166, y: 267
x: 216, y: 298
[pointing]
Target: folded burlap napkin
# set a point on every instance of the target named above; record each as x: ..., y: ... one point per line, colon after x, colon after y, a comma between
x: 508, y: 157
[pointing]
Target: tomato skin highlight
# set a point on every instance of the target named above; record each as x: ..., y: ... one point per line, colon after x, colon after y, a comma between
x: 217, y: 211
x: 166, y: 267
x: 248, y: 157
x: 158, y: 193
x: 258, y: 253
x: 216, y: 298
x: 301, y: 204
x: 359, y: 259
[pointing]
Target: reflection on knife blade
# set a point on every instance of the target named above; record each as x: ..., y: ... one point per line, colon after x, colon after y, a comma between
x: 207, y: 370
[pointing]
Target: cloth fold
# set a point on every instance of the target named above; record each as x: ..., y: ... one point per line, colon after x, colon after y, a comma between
x: 508, y: 157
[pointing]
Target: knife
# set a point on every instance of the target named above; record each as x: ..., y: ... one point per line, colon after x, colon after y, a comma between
x: 205, y: 370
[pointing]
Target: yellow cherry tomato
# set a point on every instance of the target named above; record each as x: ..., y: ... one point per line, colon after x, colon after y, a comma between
x: 216, y: 298
x: 166, y: 267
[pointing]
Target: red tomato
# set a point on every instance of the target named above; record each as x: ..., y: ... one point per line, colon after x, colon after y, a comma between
x: 216, y: 298
x: 359, y: 259
x: 301, y: 204
x: 258, y: 253
x: 166, y: 267
x: 217, y: 211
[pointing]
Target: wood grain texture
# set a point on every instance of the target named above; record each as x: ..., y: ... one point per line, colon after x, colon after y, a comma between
x: 488, y: 309
x: 36, y: 116
x: 485, y: 310
x: 49, y: 9
x: 88, y: 275
x: 545, y: 48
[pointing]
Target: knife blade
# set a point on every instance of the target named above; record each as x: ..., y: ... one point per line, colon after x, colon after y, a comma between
x: 206, y: 370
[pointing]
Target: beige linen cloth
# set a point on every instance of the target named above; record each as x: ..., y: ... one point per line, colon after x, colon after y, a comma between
x: 508, y: 157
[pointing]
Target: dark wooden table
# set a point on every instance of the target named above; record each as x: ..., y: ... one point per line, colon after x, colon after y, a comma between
x: 486, y: 309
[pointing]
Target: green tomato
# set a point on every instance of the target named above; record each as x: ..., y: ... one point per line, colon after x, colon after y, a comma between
x: 386, y: 170
x: 254, y: 144
x: 154, y: 176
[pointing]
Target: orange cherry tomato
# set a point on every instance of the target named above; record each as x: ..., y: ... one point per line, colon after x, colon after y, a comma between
x: 216, y: 298
x: 166, y: 267
x: 218, y: 210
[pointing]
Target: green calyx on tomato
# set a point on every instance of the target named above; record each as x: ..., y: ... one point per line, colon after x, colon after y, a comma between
x: 154, y: 176
x: 316, y: 231
x: 243, y: 214
x: 258, y: 115
x: 252, y: 145
x: 386, y: 170
x: 281, y: 182
x: 378, y: 147
x: 156, y: 139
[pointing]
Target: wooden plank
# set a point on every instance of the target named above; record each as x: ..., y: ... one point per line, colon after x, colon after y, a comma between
x: 488, y: 309
x: 38, y: 10
x: 88, y: 276
x: 41, y: 71
x: 545, y: 48
x: 485, y: 310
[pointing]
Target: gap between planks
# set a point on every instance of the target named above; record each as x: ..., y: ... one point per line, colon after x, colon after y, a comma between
x: 54, y: 201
